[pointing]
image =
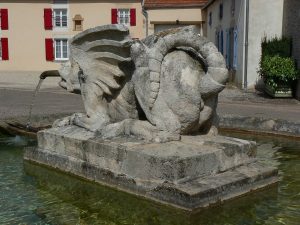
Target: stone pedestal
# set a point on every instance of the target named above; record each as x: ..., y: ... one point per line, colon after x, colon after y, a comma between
x: 192, y: 173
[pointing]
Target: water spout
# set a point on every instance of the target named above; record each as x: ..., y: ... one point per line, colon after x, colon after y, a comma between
x: 43, y: 76
x: 49, y: 73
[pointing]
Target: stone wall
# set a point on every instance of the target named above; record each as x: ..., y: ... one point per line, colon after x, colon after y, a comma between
x: 265, y: 19
x: 291, y: 25
x: 291, y: 28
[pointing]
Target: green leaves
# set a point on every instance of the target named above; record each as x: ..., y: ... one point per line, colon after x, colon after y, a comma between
x: 276, y: 69
x: 276, y: 64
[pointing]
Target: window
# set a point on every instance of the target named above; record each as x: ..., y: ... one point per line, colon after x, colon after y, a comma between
x: 124, y: 16
x: 60, y: 17
x: 77, y: 21
x: 210, y: 19
x: 219, y: 41
x: 232, y: 7
x: 61, y: 49
x: 221, y: 11
x: 221, y: 45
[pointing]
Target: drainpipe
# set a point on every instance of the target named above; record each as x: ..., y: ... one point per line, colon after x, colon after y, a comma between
x: 145, y: 13
x: 246, y: 34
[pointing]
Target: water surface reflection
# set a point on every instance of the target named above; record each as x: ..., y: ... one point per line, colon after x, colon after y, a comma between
x: 31, y: 194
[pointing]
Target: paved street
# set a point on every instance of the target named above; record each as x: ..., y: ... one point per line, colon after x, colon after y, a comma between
x: 256, y: 104
x: 16, y: 90
x: 15, y: 103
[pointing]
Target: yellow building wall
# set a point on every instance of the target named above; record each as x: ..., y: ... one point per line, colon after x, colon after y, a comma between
x: 26, y: 33
x: 188, y: 16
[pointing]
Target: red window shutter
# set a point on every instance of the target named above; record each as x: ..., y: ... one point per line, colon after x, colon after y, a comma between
x: 48, y: 19
x: 114, y: 16
x: 4, y: 44
x: 4, y: 19
x: 49, y: 49
x: 132, y: 17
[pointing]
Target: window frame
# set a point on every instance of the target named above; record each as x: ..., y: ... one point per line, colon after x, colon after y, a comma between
x: 123, y: 11
x: 61, y: 58
x: 63, y: 5
x: 60, y: 16
x: 221, y: 10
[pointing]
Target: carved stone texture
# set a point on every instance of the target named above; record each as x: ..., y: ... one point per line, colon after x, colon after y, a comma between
x: 191, y: 173
x: 158, y: 89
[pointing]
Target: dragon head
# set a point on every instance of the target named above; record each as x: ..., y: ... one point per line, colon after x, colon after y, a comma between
x: 69, y: 72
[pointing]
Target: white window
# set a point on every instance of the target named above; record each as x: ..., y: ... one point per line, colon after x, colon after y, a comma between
x: 61, y: 49
x: 60, y: 17
x: 124, y: 16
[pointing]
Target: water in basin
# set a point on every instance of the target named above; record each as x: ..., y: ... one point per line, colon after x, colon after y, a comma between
x: 31, y: 194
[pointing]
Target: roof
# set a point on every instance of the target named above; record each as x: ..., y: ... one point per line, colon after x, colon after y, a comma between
x: 155, y: 4
x: 208, y: 4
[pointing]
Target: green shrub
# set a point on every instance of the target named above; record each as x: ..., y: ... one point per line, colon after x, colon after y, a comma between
x: 278, y: 70
x: 277, y: 46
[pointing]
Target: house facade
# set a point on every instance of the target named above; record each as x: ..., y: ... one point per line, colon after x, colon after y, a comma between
x: 164, y: 14
x: 237, y: 28
x: 34, y: 34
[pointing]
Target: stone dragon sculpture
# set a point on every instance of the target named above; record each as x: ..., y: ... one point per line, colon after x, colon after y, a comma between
x: 158, y: 88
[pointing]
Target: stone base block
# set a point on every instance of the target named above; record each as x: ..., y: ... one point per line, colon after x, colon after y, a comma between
x: 192, y: 173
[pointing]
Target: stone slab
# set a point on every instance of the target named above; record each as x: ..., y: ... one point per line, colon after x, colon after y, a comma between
x: 174, y: 161
x: 261, y: 125
x: 191, y: 173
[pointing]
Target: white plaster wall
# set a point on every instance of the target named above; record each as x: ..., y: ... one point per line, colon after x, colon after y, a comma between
x: 265, y: 19
x: 166, y: 17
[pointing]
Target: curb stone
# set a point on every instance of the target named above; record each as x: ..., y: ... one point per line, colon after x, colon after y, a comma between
x: 259, y: 124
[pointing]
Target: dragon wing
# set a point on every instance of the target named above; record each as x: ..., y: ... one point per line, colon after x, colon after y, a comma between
x: 99, y: 52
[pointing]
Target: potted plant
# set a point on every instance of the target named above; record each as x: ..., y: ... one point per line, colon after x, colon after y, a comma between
x: 278, y: 74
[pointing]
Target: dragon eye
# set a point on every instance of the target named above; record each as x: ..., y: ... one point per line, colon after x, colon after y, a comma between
x: 81, y: 75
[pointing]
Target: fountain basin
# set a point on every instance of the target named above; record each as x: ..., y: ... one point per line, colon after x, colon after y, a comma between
x: 192, y: 173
